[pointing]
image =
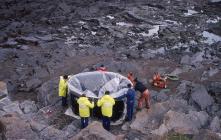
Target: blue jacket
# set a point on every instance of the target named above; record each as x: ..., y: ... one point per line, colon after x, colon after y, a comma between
x: 130, y: 95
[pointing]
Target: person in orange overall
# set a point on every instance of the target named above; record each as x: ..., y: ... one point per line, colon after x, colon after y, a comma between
x: 102, y: 68
x: 130, y: 76
x: 158, y: 81
x: 145, y: 94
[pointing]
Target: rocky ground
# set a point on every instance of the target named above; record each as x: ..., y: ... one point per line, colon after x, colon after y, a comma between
x: 41, y: 40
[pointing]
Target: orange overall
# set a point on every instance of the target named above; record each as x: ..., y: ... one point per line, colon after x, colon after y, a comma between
x: 158, y: 81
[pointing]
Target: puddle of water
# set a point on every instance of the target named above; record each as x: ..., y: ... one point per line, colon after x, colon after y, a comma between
x: 110, y: 17
x: 93, y: 33
x: 211, y: 38
x: 124, y: 24
x: 81, y: 22
x: 154, y: 30
x: 213, y: 20
x: 190, y: 12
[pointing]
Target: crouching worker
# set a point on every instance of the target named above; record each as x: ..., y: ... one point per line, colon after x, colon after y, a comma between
x: 145, y: 95
x: 106, y: 102
x: 63, y: 89
x: 84, y: 109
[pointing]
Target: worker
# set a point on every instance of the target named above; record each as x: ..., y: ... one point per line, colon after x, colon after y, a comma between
x: 63, y: 89
x: 102, y: 68
x: 106, y: 102
x: 130, y: 76
x: 145, y: 95
x: 84, y: 109
x: 130, y: 102
x: 159, y: 81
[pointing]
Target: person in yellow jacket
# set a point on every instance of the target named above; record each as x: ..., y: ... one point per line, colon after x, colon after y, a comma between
x: 106, y: 102
x: 63, y: 89
x: 84, y: 109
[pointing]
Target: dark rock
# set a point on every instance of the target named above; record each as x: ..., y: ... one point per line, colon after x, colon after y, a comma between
x: 201, y: 97
x: 48, y: 92
x: 32, y: 84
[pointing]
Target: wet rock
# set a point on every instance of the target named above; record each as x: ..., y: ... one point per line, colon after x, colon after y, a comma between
x: 201, y: 97
x: 215, y: 125
x: 28, y: 107
x: 32, y: 84
x: 48, y: 92
x: 3, y: 89
x: 182, y: 123
x: 94, y: 131
x: 16, y: 128
x: 52, y: 133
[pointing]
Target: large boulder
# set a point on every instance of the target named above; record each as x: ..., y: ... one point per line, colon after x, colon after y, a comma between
x: 182, y: 123
x: 48, y: 92
x: 201, y: 97
x: 150, y: 120
x: 94, y: 131
x: 16, y: 128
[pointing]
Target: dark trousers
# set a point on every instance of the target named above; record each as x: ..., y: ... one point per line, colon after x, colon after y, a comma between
x: 106, y: 123
x: 130, y: 109
x: 84, y: 122
x: 64, y: 101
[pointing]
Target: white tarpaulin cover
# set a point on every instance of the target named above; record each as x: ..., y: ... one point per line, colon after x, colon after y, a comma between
x: 94, y: 84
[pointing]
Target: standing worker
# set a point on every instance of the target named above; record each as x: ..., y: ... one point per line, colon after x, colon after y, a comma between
x: 145, y: 95
x: 130, y: 102
x: 106, y: 103
x: 84, y: 109
x: 63, y: 89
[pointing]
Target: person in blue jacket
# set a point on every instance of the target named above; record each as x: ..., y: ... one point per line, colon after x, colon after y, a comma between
x: 130, y: 95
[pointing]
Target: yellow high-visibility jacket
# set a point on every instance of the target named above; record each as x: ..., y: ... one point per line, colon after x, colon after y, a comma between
x: 106, y: 103
x: 63, y: 87
x: 84, y: 106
